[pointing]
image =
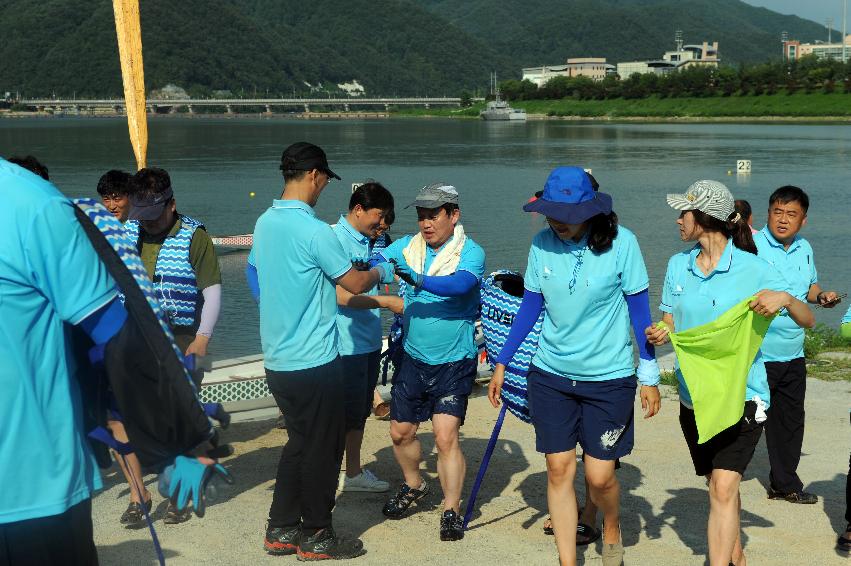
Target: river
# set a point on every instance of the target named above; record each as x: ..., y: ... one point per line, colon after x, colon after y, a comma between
x: 215, y: 163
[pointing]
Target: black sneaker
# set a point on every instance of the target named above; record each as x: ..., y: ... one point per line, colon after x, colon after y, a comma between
x: 281, y: 541
x: 802, y: 496
x: 451, y: 526
x: 397, y: 506
x: 134, y: 514
x: 325, y: 545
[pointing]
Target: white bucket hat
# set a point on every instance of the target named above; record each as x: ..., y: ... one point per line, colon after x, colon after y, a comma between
x: 711, y: 197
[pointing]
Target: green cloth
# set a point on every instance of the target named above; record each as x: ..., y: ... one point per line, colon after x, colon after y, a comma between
x: 715, y: 359
x: 846, y: 330
x: 202, y: 255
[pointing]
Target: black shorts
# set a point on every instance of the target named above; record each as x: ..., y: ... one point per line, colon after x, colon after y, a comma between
x: 65, y: 539
x: 731, y: 449
x: 360, y: 375
x: 421, y: 390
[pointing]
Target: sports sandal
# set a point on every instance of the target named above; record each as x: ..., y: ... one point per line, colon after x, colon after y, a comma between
x: 843, y: 543
x: 134, y: 514
x: 588, y: 533
x: 397, y: 506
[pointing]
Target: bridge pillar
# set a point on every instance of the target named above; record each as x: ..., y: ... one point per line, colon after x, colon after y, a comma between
x: 386, y: 107
x: 268, y: 109
x: 427, y: 105
x: 190, y: 109
x: 306, y: 108
x: 150, y: 109
x: 229, y: 109
x: 346, y: 107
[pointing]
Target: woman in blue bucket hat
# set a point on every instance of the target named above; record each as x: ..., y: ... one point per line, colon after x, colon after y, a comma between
x: 587, y: 275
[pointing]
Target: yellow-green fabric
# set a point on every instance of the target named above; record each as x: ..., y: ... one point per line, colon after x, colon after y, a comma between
x: 715, y: 359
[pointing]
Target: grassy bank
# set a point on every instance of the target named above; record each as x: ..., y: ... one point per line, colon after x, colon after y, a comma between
x: 798, y: 105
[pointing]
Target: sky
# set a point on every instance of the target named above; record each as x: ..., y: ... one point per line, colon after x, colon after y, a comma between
x: 816, y: 10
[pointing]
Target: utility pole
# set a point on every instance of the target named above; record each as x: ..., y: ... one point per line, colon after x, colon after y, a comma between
x: 829, y: 25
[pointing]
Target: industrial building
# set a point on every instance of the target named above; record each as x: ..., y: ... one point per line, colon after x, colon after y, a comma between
x: 594, y: 68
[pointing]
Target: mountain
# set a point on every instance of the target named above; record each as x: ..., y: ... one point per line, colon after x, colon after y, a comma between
x: 392, y: 47
x: 539, y: 32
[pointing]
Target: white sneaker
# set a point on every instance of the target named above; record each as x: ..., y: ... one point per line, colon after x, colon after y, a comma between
x: 364, y: 481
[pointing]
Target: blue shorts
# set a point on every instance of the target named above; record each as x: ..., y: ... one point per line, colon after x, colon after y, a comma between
x: 597, y: 414
x: 360, y: 375
x: 421, y: 390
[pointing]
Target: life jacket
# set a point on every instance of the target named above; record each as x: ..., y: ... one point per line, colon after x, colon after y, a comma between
x: 144, y: 367
x: 502, y: 293
x: 174, y: 279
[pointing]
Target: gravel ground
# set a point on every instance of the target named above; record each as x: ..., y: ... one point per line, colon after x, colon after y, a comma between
x: 664, y: 505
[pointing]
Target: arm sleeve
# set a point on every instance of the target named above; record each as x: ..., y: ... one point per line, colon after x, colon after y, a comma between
x: 524, y: 322
x: 457, y: 284
x: 210, y: 310
x: 253, y: 281
x: 638, y: 305
x: 205, y: 263
x: 105, y: 322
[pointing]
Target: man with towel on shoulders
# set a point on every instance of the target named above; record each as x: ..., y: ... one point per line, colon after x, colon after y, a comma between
x: 443, y: 269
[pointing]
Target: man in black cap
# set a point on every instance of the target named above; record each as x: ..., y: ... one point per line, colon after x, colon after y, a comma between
x: 293, y: 267
x: 179, y: 256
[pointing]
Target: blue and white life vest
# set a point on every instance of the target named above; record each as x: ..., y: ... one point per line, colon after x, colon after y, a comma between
x: 174, y: 278
x: 498, y: 311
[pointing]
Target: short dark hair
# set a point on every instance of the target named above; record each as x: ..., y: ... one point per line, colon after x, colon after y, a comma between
x: 449, y: 207
x: 790, y: 193
x: 602, y: 231
x: 150, y: 181
x: 114, y: 182
x: 371, y: 194
x: 743, y: 207
x: 390, y: 217
x: 30, y: 163
x: 293, y: 174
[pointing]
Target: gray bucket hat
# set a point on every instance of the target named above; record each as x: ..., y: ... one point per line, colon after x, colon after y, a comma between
x: 711, y: 197
x: 435, y: 195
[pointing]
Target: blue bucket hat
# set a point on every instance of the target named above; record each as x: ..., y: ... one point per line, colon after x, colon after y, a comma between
x: 569, y: 197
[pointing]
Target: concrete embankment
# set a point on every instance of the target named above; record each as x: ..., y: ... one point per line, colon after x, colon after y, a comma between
x: 664, y: 503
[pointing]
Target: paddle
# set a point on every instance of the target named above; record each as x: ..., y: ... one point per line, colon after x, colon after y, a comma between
x: 129, y: 33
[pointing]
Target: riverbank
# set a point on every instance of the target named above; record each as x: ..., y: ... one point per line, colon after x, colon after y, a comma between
x: 664, y: 505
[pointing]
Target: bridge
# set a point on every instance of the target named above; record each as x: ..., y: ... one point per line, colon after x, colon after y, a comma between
x: 230, y: 103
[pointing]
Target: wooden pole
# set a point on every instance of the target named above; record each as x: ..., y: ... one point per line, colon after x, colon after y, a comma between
x: 129, y: 33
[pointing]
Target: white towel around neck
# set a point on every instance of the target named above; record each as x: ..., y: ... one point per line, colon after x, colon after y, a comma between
x: 447, y: 259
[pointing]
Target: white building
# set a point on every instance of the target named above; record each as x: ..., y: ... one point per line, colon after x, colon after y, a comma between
x: 594, y: 68
x: 682, y: 57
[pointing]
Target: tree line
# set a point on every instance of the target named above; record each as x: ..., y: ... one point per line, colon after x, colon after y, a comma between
x: 808, y: 74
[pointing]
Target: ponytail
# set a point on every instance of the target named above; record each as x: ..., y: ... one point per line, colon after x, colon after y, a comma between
x: 736, y: 227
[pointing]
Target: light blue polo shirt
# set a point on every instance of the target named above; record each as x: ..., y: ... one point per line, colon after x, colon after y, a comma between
x: 785, y: 339
x: 439, y: 329
x: 50, y: 277
x: 298, y: 259
x: 586, y: 330
x: 360, y: 329
x: 694, y: 299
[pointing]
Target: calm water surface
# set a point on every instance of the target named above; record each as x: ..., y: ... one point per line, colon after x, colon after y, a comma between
x: 216, y: 163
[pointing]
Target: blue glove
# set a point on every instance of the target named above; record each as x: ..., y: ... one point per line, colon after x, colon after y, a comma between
x: 648, y: 372
x: 407, y: 274
x: 189, y: 479
x: 385, y: 269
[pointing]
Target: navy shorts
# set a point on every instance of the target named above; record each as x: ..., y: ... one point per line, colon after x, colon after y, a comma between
x: 360, y: 375
x: 421, y: 390
x: 596, y: 414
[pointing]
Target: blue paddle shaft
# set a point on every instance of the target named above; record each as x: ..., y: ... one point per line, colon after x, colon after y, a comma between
x: 471, y: 504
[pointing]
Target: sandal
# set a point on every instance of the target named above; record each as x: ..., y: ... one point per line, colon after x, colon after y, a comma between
x: 843, y: 543
x: 588, y: 533
x: 173, y: 516
x: 134, y: 514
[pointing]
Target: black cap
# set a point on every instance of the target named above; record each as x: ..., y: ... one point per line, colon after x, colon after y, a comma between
x: 304, y: 156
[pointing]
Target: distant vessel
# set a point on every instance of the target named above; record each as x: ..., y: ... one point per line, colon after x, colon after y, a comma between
x: 499, y: 109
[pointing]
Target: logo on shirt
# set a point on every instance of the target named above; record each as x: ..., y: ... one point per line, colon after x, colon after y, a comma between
x: 547, y: 271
